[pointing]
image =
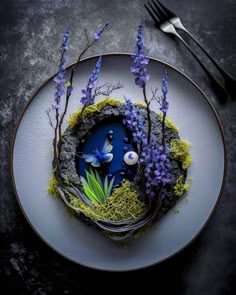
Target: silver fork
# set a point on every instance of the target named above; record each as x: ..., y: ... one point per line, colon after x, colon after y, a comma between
x: 230, y: 82
x: 162, y: 21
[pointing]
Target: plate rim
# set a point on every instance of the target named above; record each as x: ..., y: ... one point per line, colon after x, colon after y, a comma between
x: 12, y: 144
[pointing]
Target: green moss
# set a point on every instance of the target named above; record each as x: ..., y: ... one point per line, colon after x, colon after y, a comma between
x: 169, y: 123
x: 121, y: 205
x: 52, y: 187
x: 91, y: 109
x: 180, y: 187
x: 180, y: 151
x: 140, y: 104
x: 177, y: 210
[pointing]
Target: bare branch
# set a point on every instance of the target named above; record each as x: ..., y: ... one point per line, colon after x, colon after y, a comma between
x: 97, y: 90
x: 49, y: 118
x: 155, y: 97
x: 109, y: 89
x: 86, y: 35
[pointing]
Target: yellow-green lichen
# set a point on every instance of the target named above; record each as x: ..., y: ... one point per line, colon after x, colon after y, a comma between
x: 121, y: 205
x: 169, y: 123
x: 91, y: 109
x: 180, y: 151
x: 140, y: 104
x: 52, y: 187
x: 182, y: 187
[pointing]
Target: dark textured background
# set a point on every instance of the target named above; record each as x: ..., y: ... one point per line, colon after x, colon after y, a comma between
x: 30, y: 35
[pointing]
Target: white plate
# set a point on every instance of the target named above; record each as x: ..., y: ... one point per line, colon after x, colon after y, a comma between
x: 31, y: 171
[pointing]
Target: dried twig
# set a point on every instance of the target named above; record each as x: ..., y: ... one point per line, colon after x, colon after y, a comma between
x: 148, y: 114
x: 109, y: 89
x: 154, y: 96
x: 49, y: 118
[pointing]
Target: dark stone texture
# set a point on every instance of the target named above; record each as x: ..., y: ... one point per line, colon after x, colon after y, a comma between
x: 72, y: 138
x: 30, y: 34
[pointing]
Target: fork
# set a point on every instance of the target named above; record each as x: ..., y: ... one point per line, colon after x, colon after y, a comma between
x: 230, y: 82
x: 161, y: 20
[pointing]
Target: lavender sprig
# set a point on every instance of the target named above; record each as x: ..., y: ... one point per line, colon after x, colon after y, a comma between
x: 60, y: 82
x: 164, y: 104
x: 88, y: 93
x: 140, y: 71
x: 97, y: 35
x: 156, y: 167
x: 135, y: 124
x: 60, y: 77
x: 60, y: 91
x: 140, y: 61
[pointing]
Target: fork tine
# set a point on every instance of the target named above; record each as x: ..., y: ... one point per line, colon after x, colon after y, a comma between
x: 167, y: 11
x: 161, y: 12
x: 155, y: 19
x: 156, y: 12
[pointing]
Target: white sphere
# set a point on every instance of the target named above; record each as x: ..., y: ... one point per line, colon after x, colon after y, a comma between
x: 131, y: 158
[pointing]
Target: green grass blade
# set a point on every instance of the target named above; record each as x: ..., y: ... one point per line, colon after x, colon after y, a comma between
x: 110, y: 187
x: 84, y: 181
x: 105, y: 187
x: 91, y: 171
x: 98, y: 178
x: 91, y: 195
x: 95, y: 187
x: 89, y: 177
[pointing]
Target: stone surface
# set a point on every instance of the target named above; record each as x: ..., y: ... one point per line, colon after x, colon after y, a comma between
x: 30, y: 34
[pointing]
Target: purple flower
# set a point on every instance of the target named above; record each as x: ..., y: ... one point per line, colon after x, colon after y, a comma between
x: 135, y: 123
x: 65, y: 40
x: 70, y: 89
x: 156, y: 164
x: 59, y: 79
x: 87, y: 94
x: 97, y: 35
x: 164, y: 103
x: 140, y: 61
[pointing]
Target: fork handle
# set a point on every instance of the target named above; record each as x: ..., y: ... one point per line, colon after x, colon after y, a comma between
x: 224, y: 74
x: 217, y: 83
x: 178, y: 24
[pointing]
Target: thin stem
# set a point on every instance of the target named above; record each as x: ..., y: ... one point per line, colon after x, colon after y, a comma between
x: 55, y: 151
x: 148, y: 114
x: 82, y: 111
x: 163, y: 130
x: 50, y: 119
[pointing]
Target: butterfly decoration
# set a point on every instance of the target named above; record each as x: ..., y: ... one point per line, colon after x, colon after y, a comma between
x: 100, y: 157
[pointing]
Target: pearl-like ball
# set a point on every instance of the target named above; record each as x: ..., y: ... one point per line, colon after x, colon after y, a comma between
x: 131, y: 158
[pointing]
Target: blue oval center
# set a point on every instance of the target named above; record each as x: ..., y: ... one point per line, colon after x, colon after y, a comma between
x: 121, y: 140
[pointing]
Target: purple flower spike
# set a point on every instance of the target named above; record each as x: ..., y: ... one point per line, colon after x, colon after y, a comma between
x: 60, y: 77
x: 134, y: 123
x: 97, y: 35
x: 65, y: 41
x: 86, y: 98
x: 140, y: 61
x: 156, y: 167
x: 87, y: 95
x: 164, y: 103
